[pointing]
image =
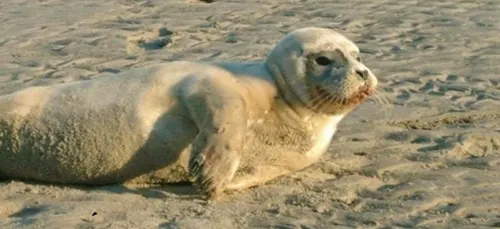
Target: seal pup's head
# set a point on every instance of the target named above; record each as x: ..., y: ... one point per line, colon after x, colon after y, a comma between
x: 321, y: 70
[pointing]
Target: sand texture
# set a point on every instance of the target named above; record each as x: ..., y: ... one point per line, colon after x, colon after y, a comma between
x: 425, y: 154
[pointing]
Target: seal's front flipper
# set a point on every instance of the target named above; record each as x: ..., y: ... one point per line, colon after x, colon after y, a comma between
x: 213, y: 162
x: 218, y: 109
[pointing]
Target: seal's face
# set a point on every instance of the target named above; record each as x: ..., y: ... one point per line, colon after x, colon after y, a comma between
x: 323, y: 69
x: 336, y: 80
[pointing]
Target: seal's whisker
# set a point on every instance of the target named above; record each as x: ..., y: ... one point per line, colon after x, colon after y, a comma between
x: 319, y: 101
x: 379, y: 100
x: 327, y: 99
x: 332, y: 100
x: 376, y: 95
x: 342, y: 100
x: 323, y: 97
x: 383, y: 97
x: 315, y: 100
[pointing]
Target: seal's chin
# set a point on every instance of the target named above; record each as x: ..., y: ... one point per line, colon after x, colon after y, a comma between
x: 329, y: 102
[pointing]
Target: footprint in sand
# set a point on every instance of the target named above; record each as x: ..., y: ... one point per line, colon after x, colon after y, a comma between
x: 148, y: 39
x: 18, y: 210
x: 28, y: 211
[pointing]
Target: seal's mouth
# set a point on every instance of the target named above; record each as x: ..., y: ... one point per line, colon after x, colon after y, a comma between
x: 360, y: 95
x: 323, y: 99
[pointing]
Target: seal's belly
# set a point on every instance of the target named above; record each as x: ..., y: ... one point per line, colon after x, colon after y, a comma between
x: 271, y: 142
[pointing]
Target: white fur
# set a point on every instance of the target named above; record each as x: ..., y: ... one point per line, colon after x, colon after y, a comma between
x: 324, y: 137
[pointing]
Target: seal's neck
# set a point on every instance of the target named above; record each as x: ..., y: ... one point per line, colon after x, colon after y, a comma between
x: 288, y: 95
x: 290, y: 108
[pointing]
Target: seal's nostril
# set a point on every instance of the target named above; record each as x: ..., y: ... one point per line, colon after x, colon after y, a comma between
x: 362, y: 73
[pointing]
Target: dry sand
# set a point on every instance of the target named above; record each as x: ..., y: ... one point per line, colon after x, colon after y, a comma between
x: 426, y: 155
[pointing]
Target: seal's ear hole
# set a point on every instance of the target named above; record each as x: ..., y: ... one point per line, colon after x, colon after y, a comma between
x: 323, y: 61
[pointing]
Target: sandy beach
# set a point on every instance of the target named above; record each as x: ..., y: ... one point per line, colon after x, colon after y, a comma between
x: 423, y: 153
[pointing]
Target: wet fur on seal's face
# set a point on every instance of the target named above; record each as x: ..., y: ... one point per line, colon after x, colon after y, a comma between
x: 323, y: 69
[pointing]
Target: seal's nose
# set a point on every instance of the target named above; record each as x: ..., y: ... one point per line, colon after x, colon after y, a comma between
x: 363, y: 73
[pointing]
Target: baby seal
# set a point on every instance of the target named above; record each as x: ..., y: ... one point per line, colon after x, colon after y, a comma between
x: 221, y: 125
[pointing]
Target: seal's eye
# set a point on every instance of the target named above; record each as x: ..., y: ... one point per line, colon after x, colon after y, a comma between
x: 323, y: 61
x: 358, y: 59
